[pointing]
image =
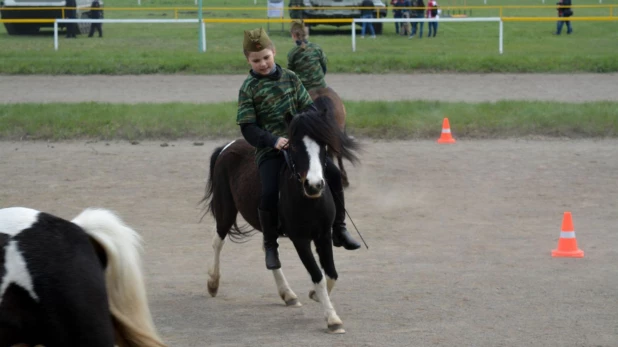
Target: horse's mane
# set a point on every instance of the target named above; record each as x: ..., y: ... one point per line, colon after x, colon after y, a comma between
x: 320, y: 125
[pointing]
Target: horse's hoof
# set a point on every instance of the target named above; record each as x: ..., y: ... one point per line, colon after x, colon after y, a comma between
x: 313, y: 296
x: 345, y: 183
x: 336, y: 329
x: 213, y: 288
x: 293, y: 302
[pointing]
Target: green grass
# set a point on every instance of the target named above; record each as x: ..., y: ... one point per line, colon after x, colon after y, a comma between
x: 460, y: 47
x: 379, y: 120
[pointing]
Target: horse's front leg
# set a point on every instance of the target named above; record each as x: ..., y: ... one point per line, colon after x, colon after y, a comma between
x: 324, y: 247
x: 285, y: 292
x: 303, y: 247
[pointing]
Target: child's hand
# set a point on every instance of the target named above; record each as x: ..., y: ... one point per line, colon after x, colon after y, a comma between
x: 282, y: 142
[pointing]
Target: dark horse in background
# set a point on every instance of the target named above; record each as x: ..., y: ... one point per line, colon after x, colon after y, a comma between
x: 306, y: 206
x: 71, y: 284
x: 338, y: 112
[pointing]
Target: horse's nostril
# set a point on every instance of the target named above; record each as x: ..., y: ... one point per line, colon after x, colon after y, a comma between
x: 320, y: 185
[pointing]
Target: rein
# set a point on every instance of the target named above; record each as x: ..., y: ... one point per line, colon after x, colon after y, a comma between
x: 290, y: 163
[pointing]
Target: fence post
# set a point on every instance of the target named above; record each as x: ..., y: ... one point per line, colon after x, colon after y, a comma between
x: 55, y: 35
x: 501, y: 38
x: 203, y: 28
x: 202, y: 38
x: 354, y: 35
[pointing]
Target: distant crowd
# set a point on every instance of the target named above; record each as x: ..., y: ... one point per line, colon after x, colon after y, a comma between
x: 418, y: 9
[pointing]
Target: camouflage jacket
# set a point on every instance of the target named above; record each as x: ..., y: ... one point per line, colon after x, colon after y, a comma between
x: 267, y: 101
x: 309, y: 63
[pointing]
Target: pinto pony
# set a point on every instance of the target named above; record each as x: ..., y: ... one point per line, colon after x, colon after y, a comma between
x: 306, y: 206
x: 72, y: 284
x: 338, y: 113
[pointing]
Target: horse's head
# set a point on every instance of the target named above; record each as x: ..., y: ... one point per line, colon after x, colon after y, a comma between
x: 309, y: 135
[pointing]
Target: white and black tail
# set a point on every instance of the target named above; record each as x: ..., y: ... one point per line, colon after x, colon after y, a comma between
x: 123, y: 276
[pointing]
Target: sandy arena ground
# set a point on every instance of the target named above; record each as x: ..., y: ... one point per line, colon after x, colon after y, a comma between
x: 459, y: 235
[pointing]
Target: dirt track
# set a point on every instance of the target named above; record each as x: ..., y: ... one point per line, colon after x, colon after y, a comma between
x: 460, y: 239
x: 216, y: 88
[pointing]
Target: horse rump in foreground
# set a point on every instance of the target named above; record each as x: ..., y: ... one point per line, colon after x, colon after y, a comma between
x: 306, y: 206
x: 71, y: 284
x: 338, y: 112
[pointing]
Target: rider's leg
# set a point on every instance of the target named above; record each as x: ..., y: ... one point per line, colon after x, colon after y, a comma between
x: 341, y: 236
x: 268, y: 209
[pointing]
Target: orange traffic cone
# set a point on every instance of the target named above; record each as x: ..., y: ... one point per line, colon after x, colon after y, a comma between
x: 567, y: 244
x: 446, y: 133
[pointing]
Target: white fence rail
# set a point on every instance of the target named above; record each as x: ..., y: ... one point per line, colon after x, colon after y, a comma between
x: 202, y: 42
x: 423, y: 20
x: 196, y: 21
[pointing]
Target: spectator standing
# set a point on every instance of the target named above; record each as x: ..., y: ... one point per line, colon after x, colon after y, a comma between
x: 71, y: 13
x: 96, y: 13
x: 418, y: 12
x: 564, y: 11
x: 367, y: 13
x: 405, y: 13
x: 432, y: 13
x: 396, y: 12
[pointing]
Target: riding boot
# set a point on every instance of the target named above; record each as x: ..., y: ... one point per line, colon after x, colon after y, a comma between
x: 341, y: 236
x: 269, y: 222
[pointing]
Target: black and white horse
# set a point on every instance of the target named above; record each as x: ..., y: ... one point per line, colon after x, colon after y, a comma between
x: 306, y: 205
x: 71, y: 283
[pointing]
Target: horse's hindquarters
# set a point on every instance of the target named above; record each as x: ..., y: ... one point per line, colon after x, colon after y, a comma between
x: 339, y: 111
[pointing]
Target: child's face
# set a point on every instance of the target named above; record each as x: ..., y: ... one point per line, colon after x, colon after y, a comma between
x: 262, y: 62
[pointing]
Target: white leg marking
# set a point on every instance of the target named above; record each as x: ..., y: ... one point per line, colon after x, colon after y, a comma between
x: 335, y: 325
x: 214, y: 271
x: 285, y: 292
x: 330, y: 284
x: 315, y: 174
x: 16, y: 271
x: 15, y: 219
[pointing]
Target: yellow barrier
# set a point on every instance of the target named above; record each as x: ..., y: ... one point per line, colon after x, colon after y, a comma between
x: 176, y: 10
x: 27, y: 20
x: 318, y: 8
x: 554, y: 19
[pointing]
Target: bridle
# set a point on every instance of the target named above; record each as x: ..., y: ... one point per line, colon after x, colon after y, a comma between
x: 290, y: 163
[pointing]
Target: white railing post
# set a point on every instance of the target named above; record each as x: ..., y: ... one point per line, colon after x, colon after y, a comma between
x: 353, y: 35
x: 203, y: 36
x: 501, y: 37
x: 55, y: 35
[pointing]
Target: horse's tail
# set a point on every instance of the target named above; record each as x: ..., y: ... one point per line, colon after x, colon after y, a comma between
x: 123, y: 277
x: 237, y: 233
x: 207, y: 199
x: 348, y: 145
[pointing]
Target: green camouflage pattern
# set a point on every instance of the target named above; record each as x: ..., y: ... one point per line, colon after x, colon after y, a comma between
x: 267, y: 102
x: 307, y: 63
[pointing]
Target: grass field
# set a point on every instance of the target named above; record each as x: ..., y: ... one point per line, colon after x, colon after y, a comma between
x: 459, y: 47
x: 378, y: 120
x: 173, y: 48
